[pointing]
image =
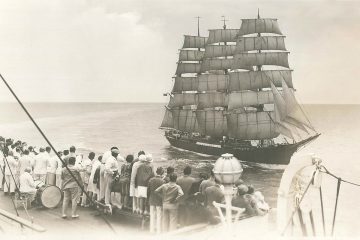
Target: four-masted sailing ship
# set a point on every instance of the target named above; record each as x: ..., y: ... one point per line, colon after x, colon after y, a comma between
x: 233, y: 93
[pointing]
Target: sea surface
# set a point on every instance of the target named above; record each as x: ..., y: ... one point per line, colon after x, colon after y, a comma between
x: 135, y: 126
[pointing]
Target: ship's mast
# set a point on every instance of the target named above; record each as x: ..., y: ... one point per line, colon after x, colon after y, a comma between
x: 198, y: 25
x: 225, y: 43
x: 258, y: 67
x: 260, y: 108
x: 224, y: 21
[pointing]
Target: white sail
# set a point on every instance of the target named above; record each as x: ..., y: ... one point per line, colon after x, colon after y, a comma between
x: 212, y: 82
x: 171, y: 103
x: 282, y: 113
x: 168, y: 121
x: 293, y: 109
x: 194, y: 42
x: 222, y: 35
x: 212, y: 99
x: 184, y: 99
x: 252, y: 80
x: 191, y: 55
x: 212, y: 51
x: 187, y: 68
x: 245, y: 44
x: 249, y: 98
x: 243, y: 60
x: 218, y: 64
x: 262, y: 25
x: 185, y: 120
x: 251, y: 125
x: 279, y: 108
x: 185, y: 84
x: 212, y: 123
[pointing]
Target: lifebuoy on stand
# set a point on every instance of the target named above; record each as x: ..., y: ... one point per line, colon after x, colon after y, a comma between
x: 299, y: 183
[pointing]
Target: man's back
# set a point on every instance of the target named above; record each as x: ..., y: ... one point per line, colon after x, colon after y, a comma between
x: 25, y: 162
x: 155, y: 183
x: 144, y: 173
x: 26, y: 182
x: 67, y: 179
x: 205, y: 184
x: 170, y: 192
x: 185, y: 183
x: 213, y: 193
x: 40, y: 165
x: 11, y: 162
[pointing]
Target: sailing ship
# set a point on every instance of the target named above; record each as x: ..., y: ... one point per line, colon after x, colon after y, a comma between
x: 233, y: 93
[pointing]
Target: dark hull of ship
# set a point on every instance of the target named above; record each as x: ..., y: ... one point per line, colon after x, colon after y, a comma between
x: 276, y: 154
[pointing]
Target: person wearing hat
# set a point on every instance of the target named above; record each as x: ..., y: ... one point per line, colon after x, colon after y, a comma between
x: 133, y: 184
x: 111, y: 167
x: 155, y: 201
x: 143, y: 175
x: 40, y: 165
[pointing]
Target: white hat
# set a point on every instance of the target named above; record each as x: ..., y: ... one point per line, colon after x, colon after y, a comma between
x: 142, y: 158
x: 115, y: 151
x: 149, y: 158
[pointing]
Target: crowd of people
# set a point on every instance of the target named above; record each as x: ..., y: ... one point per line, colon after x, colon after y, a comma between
x: 130, y: 183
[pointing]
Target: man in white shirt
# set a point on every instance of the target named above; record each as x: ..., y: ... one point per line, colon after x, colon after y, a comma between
x: 52, y: 166
x: 40, y: 165
x: 10, y: 168
x: 58, y: 170
x: 87, y: 166
x: 102, y: 184
x: 32, y: 156
x: 27, y: 184
x: 25, y: 162
x: 111, y: 166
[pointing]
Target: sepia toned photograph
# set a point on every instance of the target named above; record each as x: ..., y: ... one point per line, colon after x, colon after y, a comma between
x: 178, y: 119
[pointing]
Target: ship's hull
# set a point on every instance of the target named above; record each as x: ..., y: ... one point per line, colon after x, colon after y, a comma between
x: 277, y: 154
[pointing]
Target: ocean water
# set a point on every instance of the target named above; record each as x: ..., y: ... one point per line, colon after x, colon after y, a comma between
x: 134, y: 126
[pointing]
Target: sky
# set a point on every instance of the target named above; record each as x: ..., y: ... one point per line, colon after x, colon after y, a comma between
x: 126, y: 51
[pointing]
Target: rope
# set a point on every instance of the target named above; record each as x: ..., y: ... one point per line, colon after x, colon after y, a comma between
x: 336, y: 203
x: 338, y: 178
x: 52, y: 147
x: 322, y: 211
x: 8, y: 186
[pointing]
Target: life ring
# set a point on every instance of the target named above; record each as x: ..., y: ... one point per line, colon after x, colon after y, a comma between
x: 294, y: 181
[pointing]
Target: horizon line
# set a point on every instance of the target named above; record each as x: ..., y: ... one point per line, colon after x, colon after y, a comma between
x: 109, y: 102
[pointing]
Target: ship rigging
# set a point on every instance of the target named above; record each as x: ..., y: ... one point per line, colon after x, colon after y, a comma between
x: 233, y: 92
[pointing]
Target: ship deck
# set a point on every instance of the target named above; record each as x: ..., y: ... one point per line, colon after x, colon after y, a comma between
x: 90, y: 223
